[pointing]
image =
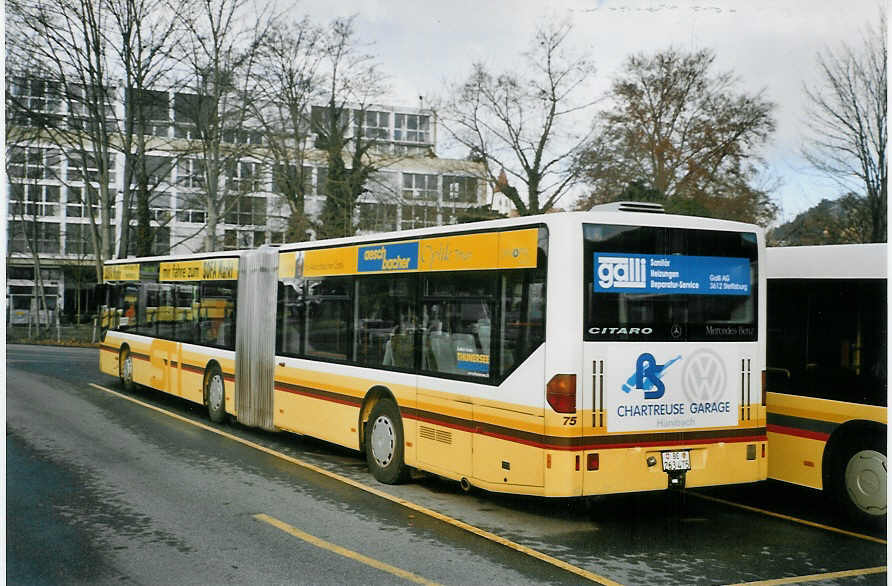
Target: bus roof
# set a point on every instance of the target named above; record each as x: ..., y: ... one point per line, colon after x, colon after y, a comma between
x: 556, y: 220
x: 838, y: 261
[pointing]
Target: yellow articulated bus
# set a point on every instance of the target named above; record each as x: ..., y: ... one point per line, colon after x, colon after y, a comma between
x: 827, y: 357
x: 561, y: 355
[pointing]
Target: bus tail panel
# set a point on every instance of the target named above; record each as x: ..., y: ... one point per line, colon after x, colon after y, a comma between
x: 670, y: 414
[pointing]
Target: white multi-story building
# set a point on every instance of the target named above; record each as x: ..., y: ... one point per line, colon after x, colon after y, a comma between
x: 45, y: 189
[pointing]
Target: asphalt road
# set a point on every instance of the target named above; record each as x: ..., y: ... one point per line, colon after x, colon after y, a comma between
x: 101, y: 489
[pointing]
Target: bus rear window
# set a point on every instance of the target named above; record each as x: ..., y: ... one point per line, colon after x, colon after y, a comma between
x: 669, y: 284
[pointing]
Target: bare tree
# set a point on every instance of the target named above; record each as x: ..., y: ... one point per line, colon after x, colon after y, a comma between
x: 65, y: 44
x: 143, y: 35
x: 284, y: 86
x: 352, y: 82
x: 847, y: 117
x: 678, y: 133
x: 220, y: 55
x: 523, y: 127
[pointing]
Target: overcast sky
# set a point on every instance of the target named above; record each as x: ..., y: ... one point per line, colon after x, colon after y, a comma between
x: 771, y: 45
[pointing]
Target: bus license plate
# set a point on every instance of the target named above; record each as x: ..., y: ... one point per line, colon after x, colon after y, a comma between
x: 673, y: 461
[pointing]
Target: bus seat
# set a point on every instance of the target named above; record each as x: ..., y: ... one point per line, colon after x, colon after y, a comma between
x: 483, y: 330
x: 443, y: 352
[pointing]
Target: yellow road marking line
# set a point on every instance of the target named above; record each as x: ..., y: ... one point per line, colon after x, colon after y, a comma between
x: 347, y: 553
x: 817, y: 577
x: 788, y: 518
x: 371, y: 490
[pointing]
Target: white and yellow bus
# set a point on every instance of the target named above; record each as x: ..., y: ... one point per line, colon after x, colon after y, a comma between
x: 827, y: 357
x: 560, y: 355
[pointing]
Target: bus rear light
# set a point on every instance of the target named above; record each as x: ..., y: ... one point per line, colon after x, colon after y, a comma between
x: 593, y: 462
x: 561, y: 393
x: 577, y: 463
x: 764, y: 386
x: 751, y: 451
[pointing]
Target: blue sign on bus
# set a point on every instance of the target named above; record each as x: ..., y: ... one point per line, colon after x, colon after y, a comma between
x: 401, y: 256
x: 671, y: 274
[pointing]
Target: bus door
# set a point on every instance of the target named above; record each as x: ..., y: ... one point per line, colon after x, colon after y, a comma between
x: 165, y: 361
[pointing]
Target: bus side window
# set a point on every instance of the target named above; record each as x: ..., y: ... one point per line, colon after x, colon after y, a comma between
x: 385, y: 328
x: 216, y: 314
x: 329, y: 318
x: 523, y: 316
x: 290, y: 317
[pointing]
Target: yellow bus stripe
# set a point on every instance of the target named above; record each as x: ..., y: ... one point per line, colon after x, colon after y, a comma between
x: 379, y: 493
x: 347, y: 553
x: 817, y: 577
x: 788, y: 518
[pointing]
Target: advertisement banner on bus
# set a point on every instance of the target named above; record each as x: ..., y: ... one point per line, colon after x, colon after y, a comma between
x: 676, y: 274
x: 668, y: 387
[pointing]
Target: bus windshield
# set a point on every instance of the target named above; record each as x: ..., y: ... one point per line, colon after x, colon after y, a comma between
x: 669, y: 284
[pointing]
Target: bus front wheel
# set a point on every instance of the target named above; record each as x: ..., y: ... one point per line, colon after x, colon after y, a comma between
x: 861, y: 482
x: 215, y: 394
x: 384, y: 444
x: 126, y: 369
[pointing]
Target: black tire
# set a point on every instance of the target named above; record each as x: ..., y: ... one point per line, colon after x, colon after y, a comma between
x: 859, y: 481
x: 125, y: 369
x: 215, y: 394
x: 384, y: 443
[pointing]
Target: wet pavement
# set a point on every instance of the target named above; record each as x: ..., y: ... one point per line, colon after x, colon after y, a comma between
x: 102, y: 490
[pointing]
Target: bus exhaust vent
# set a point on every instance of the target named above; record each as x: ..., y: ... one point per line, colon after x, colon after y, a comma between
x: 630, y: 206
x: 434, y: 434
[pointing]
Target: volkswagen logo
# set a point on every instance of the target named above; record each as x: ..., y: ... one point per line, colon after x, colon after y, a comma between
x: 704, y: 376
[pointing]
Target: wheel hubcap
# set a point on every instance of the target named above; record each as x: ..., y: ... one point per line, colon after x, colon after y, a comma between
x: 383, y: 441
x: 215, y: 392
x: 127, y: 369
x: 866, y: 481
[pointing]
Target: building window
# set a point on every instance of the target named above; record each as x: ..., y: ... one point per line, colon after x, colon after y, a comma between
x: 246, y: 211
x: 371, y: 124
x: 191, y: 114
x: 77, y: 239
x: 459, y: 189
x: 76, y: 206
x: 237, y: 239
x: 247, y: 177
x: 417, y: 186
x: 158, y: 170
x: 190, y: 173
x: 87, y: 164
x: 34, y: 162
x: 286, y: 179
x: 243, y: 136
x: 30, y: 236
x: 411, y: 128
x: 418, y: 216
x: 160, y: 240
x: 31, y: 200
x: 36, y: 94
x: 153, y: 112
x: 377, y: 217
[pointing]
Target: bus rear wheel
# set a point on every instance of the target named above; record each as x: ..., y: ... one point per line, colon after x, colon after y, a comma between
x: 861, y: 482
x: 384, y: 444
x: 215, y: 394
x: 125, y: 360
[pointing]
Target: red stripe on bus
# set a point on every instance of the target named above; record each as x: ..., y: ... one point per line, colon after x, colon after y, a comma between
x: 317, y: 394
x: 815, y: 435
